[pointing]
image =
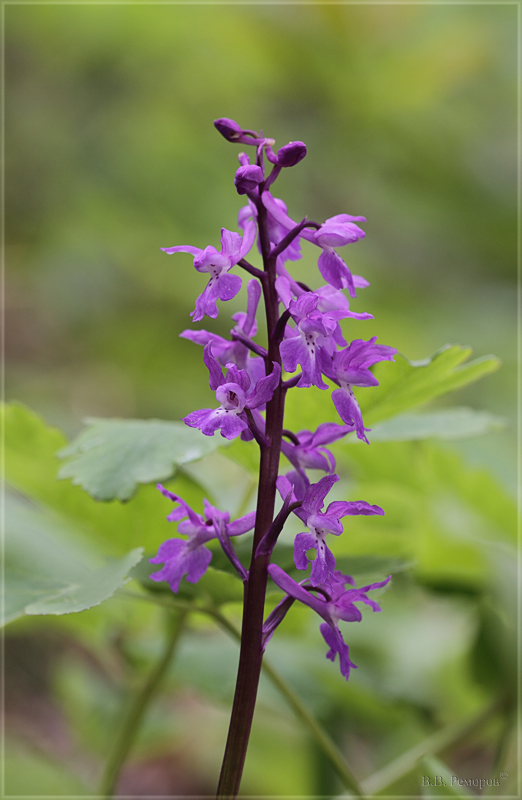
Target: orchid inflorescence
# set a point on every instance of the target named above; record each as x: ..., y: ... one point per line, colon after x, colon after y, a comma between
x: 251, y: 382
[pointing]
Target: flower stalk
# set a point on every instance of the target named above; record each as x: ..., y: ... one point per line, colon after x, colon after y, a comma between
x: 303, y: 332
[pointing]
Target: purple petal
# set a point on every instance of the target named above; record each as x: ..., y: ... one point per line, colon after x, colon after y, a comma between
x: 291, y: 350
x: 303, y: 542
x: 329, y: 432
x: 314, y: 497
x: 335, y: 272
x: 169, y: 549
x: 324, y: 565
x: 184, y: 248
x: 337, y: 233
x: 242, y: 525
x: 254, y: 295
x: 341, y: 508
x: 227, y: 286
x: 230, y: 242
x: 277, y: 212
x: 378, y: 585
x: 196, y: 563
x: 349, y: 411
x: 335, y: 642
x: 291, y: 587
x: 265, y: 388
x: 249, y: 236
x: 216, y: 378
x: 198, y: 419
x: 206, y: 303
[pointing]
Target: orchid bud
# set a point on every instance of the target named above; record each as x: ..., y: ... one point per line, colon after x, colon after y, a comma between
x: 228, y: 128
x: 291, y: 154
x: 248, y: 178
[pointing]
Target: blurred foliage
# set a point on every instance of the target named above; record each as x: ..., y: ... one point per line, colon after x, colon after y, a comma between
x: 409, y: 114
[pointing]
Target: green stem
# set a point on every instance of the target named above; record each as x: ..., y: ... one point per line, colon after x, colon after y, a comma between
x: 317, y: 732
x: 447, y: 737
x: 131, y: 724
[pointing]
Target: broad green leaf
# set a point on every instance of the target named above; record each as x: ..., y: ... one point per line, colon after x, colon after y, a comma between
x: 31, y: 467
x: 45, y: 573
x: 403, y: 385
x: 112, y: 456
x: 407, y: 384
x: 448, y: 423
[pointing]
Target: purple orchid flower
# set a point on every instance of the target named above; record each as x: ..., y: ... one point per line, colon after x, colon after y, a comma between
x: 221, y: 285
x: 320, y: 525
x: 349, y: 368
x: 191, y: 557
x: 334, y: 232
x: 310, y: 453
x: 235, y: 352
x: 233, y: 396
x: 334, y: 603
x: 276, y: 232
x: 313, y: 331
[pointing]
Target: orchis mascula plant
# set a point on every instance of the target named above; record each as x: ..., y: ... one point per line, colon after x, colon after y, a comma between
x: 250, y: 388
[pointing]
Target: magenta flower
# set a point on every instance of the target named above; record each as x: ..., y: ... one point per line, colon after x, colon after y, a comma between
x: 221, y: 285
x: 334, y: 603
x: 334, y: 232
x: 310, y: 453
x: 313, y: 330
x: 226, y: 351
x: 276, y: 231
x: 320, y: 525
x: 191, y: 557
x: 351, y: 367
x: 234, y: 397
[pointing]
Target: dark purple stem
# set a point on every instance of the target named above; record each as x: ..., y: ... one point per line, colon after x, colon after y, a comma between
x: 289, y: 238
x: 290, y: 435
x: 251, y: 653
x: 257, y: 273
x: 255, y: 348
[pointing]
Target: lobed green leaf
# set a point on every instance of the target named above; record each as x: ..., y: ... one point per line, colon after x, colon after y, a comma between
x: 45, y: 573
x: 112, y: 456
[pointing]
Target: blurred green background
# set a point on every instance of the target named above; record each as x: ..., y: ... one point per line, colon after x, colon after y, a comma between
x: 409, y: 115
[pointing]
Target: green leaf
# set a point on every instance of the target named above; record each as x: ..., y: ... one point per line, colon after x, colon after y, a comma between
x: 448, y: 423
x: 45, y: 573
x: 112, y: 456
x: 406, y: 384
x: 403, y: 385
x: 31, y: 467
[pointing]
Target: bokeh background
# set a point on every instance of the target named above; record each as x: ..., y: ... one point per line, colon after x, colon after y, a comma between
x: 409, y: 115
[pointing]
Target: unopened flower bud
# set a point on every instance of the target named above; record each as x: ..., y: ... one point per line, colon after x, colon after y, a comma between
x: 291, y: 154
x: 228, y: 128
x: 247, y: 178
